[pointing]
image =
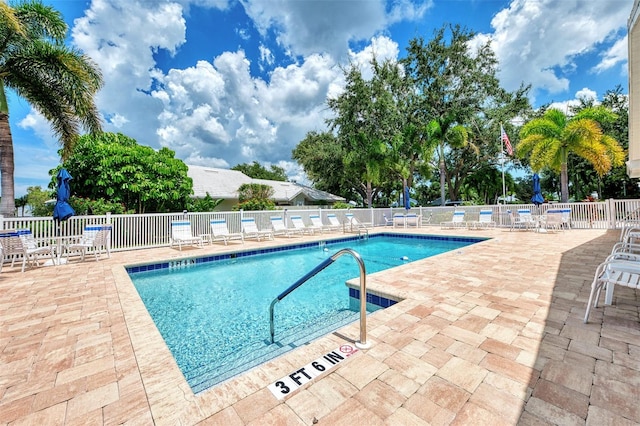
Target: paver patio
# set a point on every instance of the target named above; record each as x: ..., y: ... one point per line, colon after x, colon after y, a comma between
x: 489, y: 334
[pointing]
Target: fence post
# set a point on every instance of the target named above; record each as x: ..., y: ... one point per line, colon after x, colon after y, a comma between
x: 611, y: 213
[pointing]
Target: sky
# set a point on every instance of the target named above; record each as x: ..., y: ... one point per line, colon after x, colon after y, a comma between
x: 226, y: 82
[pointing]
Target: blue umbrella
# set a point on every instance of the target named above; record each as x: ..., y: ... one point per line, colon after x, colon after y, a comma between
x: 62, y: 210
x: 407, y: 200
x: 537, y: 198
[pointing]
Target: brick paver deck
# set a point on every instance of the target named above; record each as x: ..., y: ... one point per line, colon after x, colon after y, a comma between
x: 489, y: 334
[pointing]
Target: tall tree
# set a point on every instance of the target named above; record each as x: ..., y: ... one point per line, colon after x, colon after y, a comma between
x: 114, y: 167
x: 548, y: 141
x: 454, y: 83
x: 357, y: 126
x: 320, y: 155
x: 59, y: 82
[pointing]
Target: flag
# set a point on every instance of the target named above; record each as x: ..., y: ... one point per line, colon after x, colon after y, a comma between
x: 505, y: 139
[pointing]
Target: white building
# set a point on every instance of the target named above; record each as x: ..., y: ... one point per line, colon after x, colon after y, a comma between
x: 224, y: 184
x: 633, y: 28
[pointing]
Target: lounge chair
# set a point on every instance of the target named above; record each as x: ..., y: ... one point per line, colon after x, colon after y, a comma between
x: 279, y: 228
x: 334, y: 223
x: 96, y: 238
x: 298, y: 223
x: 387, y: 221
x: 20, y: 242
x: 485, y: 220
x: 220, y: 232
x: 181, y: 234
x: 250, y: 230
x: 316, y: 221
x: 457, y: 220
x: 355, y: 224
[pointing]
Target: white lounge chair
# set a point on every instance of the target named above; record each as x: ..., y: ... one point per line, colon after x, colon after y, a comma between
x: 387, y: 221
x: 181, y: 234
x: 250, y: 230
x: 279, y: 228
x: 334, y: 223
x: 220, y: 232
x: 485, y: 220
x: 355, y: 224
x: 457, y: 220
x: 95, y: 238
x: 316, y: 221
x: 298, y: 223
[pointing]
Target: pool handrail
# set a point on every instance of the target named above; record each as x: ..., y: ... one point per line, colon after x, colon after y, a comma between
x: 362, y: 343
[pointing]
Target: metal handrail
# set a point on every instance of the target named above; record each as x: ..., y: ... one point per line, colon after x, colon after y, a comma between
x: 362, y: 344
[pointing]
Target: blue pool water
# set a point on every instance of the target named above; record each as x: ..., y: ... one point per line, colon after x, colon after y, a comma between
x: 214, y: 315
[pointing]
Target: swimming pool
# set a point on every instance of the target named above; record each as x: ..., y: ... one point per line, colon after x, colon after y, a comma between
x: 213, y: 311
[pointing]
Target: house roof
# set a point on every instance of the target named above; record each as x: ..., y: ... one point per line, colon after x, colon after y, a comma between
x: 224, y: 184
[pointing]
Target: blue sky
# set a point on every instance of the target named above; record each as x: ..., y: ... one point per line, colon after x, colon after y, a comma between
x: 224, y: 82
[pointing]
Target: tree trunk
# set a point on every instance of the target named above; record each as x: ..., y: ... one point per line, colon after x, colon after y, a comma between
x: 7, y: 204
x: 564, y: 183
x: 443, y: 170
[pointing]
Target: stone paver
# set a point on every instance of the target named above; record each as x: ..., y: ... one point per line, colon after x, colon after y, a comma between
x: 491, y: 334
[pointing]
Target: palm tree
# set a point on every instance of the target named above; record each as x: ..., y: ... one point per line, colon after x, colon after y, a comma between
x: 549, y: 140
x: 446, y: 136
x: 59, y: 82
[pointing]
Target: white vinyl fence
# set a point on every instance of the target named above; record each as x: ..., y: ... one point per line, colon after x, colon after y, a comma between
x: 140, y: 231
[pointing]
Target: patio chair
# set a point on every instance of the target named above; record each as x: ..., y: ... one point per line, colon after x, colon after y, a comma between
x: 457, y: 220
x: 485, y: 220
x: 250, y: 230
x: 413, y: 219
x: 334, y: 223
x: 523, y: 220
x: 95, y: 238
x: 615, y: 270
x: 387, y: 221
x: 566, y: 218
x: 298, y: 223
x: 399, y: 220
x: 181, y: 234
x: 355, y: 224
x: 20, y: 242
x: 552, y: 221
x: 220, y: 232
x: 279, y: 228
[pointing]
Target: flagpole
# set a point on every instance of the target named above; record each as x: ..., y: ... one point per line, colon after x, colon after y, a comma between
x: 504, y: 187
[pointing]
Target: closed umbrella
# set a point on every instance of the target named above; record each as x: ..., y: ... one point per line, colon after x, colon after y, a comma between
x: 62, y: 210
x: 537, y: 198
x: 407, y: 200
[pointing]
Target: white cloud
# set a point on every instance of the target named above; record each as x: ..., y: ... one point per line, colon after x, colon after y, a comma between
x: 122, y: 38
x: 617, y: 54
x: 538, y: 42
x: 582, y: 94
x: 327, y: 26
